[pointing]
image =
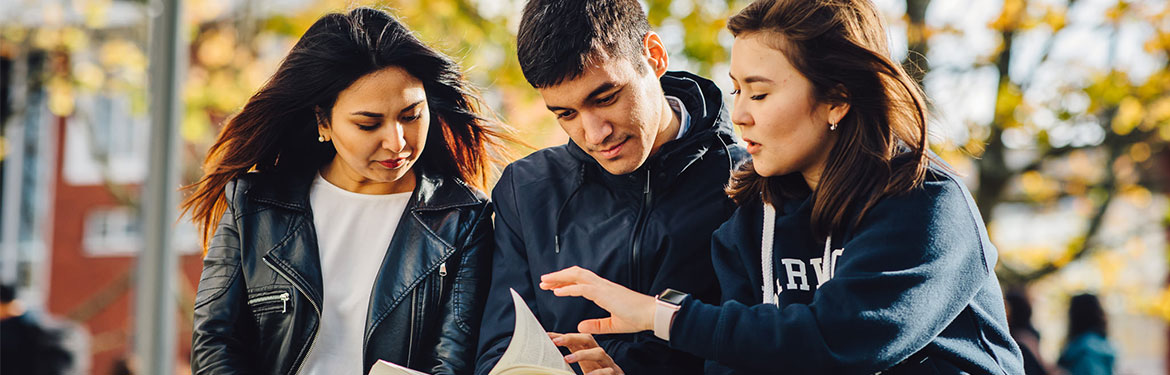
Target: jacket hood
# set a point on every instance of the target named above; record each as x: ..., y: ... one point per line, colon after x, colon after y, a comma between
x: 709, y: 128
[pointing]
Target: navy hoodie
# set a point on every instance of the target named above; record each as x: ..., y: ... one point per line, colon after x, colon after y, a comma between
x: 911, y: 286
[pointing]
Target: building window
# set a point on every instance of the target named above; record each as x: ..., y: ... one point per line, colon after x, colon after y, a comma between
x: 117, y: 231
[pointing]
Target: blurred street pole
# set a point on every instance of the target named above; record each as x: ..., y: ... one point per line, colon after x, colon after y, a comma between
x: 155, y: 305
x: 14, y: 166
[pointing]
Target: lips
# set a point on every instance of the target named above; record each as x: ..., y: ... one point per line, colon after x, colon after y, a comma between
x: 393, y: 163
x: 613, y: 152
x: 752, y: 147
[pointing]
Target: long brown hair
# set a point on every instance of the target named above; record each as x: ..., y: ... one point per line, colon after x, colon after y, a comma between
x: 881, y: 146
x: 276, y: 131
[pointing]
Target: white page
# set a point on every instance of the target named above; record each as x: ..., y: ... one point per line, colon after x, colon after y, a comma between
x: 530, y: 343
x: 387, y: 368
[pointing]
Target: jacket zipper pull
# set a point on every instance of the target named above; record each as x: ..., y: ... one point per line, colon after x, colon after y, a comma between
x: 443, y: 269
x: 284, y: 302
x: 647, y: 191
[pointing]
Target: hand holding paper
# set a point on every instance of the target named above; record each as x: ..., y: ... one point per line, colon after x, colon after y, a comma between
x: 531, y: 351
x: 586, y: 353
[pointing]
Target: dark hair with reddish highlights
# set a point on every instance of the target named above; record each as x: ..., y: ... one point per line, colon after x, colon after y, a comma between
x: 881, y: 146
x: 276, y: 131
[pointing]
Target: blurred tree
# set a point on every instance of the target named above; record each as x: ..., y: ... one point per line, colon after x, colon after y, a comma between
x: 1019, y: 158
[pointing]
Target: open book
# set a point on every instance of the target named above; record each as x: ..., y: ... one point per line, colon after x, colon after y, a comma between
x: 531, y: 352
x: 388, y: 368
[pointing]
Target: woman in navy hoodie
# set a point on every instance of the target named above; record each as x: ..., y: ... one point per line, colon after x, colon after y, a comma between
x: 874, y: 256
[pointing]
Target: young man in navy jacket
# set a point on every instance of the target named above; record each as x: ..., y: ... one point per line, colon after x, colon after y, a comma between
x: 636, y: 193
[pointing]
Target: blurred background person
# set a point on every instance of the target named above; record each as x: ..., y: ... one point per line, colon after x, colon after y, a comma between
x: 29, y: 345
x: 1019, y: 316
x: 1088, y: 350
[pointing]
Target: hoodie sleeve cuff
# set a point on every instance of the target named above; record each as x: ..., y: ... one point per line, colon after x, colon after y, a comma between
x: 696, y: 329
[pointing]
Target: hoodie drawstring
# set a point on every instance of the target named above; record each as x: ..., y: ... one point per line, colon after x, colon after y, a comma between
x: 766, y: 263
x: 561, y: 210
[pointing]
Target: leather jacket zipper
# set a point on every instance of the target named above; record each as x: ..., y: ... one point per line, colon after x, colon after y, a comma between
x: 643, y: 212
x: 282, y: 297
x: 410, y: 337
x: 442, y: 275
x: 313, y: 338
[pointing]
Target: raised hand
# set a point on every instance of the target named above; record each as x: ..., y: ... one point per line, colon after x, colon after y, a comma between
x: 630, y: 311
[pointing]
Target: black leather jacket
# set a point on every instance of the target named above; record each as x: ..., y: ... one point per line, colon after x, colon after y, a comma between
x: 259, y: 301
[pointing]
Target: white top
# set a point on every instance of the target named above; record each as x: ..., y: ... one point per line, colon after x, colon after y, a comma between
x: 353, y: 234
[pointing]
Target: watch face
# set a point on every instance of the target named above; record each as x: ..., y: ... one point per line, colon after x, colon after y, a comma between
x: 672, y: 297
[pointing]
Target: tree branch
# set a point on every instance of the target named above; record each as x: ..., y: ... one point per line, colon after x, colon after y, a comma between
x: 1009, y: 276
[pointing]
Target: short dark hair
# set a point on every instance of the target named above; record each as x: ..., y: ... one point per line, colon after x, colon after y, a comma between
x: 1086, y: 315
x: 7, y: 293
x: 559, y: 38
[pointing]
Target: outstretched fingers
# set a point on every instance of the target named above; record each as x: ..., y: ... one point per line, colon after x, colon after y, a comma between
x: 631, y: 311
x: 572, y: 290
x: 571, y: 282
x: 573, y: 341
x: 571, y: 275
x: 598, y: 326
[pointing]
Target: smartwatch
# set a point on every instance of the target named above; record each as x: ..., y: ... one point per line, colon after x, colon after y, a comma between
x: 669, y: 302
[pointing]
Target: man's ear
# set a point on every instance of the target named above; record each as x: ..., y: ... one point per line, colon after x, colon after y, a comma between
x: 655, y: 53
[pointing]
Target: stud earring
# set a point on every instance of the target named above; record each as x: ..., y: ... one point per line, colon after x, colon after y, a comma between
x: 321, y: 138
x: 832, y: 126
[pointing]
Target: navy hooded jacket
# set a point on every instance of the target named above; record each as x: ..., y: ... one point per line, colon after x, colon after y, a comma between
x: 912, y: 285
x: 648, y: 230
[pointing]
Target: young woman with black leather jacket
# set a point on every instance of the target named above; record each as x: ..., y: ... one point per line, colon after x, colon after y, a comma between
x: 341, y: 211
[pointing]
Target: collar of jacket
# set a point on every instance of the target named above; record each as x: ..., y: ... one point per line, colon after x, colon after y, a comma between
x: 416, y: 250
x: 710, y: 127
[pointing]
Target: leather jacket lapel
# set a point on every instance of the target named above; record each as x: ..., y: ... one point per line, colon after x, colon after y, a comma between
x: 294, y: 255
x: 421, y: 243
x: 297, y: 258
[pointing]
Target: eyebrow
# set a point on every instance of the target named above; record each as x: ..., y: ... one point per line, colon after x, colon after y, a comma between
x: 597, y: 91
x: 368, y: 114
x: 411, y: 106
x: 751, y: 79
x: 379, y: 115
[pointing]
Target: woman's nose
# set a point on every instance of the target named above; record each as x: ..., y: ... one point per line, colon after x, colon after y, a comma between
x: 392, y: 138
